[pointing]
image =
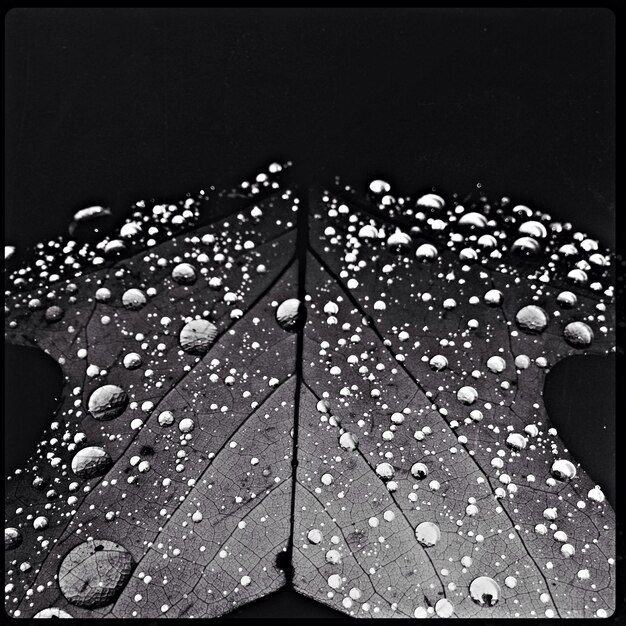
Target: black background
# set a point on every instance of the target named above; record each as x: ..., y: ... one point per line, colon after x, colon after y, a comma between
x: 114, y: 106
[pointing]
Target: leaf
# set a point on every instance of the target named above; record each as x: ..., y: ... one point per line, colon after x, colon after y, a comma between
x: 337, y: 392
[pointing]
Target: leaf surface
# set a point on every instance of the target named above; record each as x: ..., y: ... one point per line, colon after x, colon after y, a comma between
x: 358, y: 413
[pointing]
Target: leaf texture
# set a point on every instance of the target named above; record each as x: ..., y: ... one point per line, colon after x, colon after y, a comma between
x: 356, y: 410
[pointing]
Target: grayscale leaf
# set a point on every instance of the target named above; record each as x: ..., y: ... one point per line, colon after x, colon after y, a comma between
x: 347, y: 384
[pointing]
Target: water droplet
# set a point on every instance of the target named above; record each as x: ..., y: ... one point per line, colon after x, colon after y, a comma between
x: 52, y: 613
x: 596, y: 494
x: 380, y: 186
x: 484, y: 591
x: 473, y: 220
x: 385, y: 471
x: 438, y: 362
x: 107, y: 402
x: 532, y: 319
x: 467, y: 395
x: 166, y: 418
x: 444, y: 608
x: 526, y: 245
x: 348, y: 441
x: 90, y: 462
x: 510, y: 582
x: 563, y: 469
x: 291, y: 315
x: 399, y: 240
x: 419, y: 470
x: 431, y: 201
x: 428, y: 534
x: 334, y: 581
x: 197, y: 336
x: 533, y: 229
x: 184, y: 274
x: 426, y: 252
x: 496, y: 364
x: 333, y: 556
x: 186, y: 425
x: 94, y: 573
x: 578, y: 335
x: 132, y: 361
x: 133, y: 299
x: 517, y: 442
x: 567, y: 300
x: 12, y: 538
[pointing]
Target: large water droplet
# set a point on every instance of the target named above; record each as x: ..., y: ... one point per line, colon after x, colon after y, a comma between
x: 12, y: 538
x: 473, y: 220
x: 52, y: 613
x: 532, y: 319
x: 428, y: 534
x: 578, y: 334
x: 484, y: 591
x: 90, y: 462
x: 426, y: 252
x: 107, y: 402
x: 348, y: 441
x: 197, y: 336
x: 467, y: 395
x: 444, y: 608
x: 291, y: 315
x: 133, y: 299
x: 184, y: 274
x: 94, y: 573
x: 563, y: 469
x: 526, y: 245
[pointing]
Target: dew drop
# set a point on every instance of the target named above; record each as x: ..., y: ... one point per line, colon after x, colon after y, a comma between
x: 444, y: 608
x: 184, y: 274
x: 94, y: 573
x: 291, y: 315
x: 133, y: 299
x: 484, y: 591
x: 52, y: 613
x: 107, y: 402
x: 197, y: 336
x: 90, y: 462
x: 578, y: 334
x: 563, y: 469
x: 12, y: 538
x: 428, y: 534
x: 532, y: 319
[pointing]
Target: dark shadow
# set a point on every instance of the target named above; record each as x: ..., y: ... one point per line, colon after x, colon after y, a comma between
x: 579, y: 395
x: 32, y: 388
x: 285, y: 603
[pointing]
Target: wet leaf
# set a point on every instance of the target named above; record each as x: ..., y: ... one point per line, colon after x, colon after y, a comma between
x: 333, y: 391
